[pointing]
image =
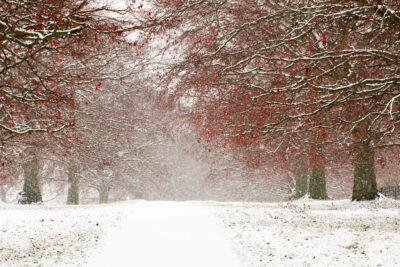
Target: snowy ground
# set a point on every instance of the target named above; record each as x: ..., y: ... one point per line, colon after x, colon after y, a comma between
x: 169, y: 234
x: 53, y: 235
x: 314, y: 233
x: 140, y: 233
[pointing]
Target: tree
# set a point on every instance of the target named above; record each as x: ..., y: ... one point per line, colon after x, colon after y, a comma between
x: 53, y: 54
x: 31, y: 190
x: 73, y: 183
x: 317, y: 183
x: 284, y: 71
x: 113, y: 123
x: 38, y: 42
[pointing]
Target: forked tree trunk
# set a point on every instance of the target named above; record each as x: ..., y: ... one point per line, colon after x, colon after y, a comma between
x: 103, y: 195
x: 364, y: 187
x: 301, y: 183
x: 31, y: 190
x: 73, y: 185
x: 317, y: 187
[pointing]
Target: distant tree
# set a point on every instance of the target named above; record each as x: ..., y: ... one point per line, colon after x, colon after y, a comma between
x: 73, y: 182
x: 113, y: 122
x: 318, y: 183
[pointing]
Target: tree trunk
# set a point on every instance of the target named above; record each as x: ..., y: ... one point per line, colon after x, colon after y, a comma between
x: 31, y: 190
x: 364, y: 187
x: 73, y: 185
x: 317, y: 187
x: 103, y: 195
x: 301, y: 184
x: 3, y: 194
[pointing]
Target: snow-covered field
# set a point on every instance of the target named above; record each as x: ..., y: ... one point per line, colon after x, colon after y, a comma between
x: 140, y: 233
x: 314, y: 233
x: 34, y: 235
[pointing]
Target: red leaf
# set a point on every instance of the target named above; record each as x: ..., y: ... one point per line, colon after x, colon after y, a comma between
x: 324, y: 39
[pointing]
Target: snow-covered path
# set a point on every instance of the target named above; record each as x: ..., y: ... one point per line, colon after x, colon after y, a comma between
x: 166, y: 234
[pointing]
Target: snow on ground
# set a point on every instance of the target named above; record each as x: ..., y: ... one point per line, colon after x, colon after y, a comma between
x: 40, y: 235
x: 141, y: 233
x: 167, y: 234
x: 314, y: 233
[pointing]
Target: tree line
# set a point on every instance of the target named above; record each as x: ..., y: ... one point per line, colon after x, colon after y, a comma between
x: 301, y: 86
x: 314, y: 83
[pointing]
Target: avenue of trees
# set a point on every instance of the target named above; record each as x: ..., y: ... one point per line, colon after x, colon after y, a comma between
x: 60, y: 71
x: 304, y: 80
x: 158, y: 95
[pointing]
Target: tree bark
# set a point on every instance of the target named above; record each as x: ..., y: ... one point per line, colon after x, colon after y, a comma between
x: 3, y: 194
x: 103, y: 195
x: 364, y: 187
x: 317, y: 187
x: 301, y: 183
x: 73, y: 185
x: 31, y: 190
